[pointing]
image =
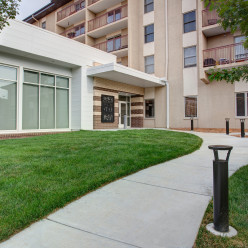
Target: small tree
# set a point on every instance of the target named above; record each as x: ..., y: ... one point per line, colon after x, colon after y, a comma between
x: 8, y: 10
x: 234, y: 16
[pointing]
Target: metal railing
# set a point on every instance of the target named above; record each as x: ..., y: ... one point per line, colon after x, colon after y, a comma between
x: 70, y: 10
x: 229, y: 54
x: 90, y: 2
x: 114, y: 44
x: 209, y: 17
x: 75, y: 31
x: 108, y: 18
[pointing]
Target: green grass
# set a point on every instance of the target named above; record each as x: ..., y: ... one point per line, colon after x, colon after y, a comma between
x: 238, y: 211
x: 40, y: 174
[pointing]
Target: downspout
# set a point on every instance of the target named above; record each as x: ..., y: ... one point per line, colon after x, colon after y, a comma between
x: 167, y: 65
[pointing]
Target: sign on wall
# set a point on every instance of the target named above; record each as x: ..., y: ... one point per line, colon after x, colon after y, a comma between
x: 108, y: 109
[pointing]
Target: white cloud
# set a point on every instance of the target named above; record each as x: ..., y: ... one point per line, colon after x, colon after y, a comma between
x: 28, y: 7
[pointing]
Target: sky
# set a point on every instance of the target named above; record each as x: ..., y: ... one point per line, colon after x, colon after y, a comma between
x: 28, y: 7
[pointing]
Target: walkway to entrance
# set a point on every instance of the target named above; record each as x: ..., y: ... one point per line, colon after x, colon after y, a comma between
x: 159, y: 207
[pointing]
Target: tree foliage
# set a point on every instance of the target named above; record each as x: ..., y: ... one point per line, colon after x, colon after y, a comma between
x: 8, y: 10
x: 231, y: 75
x: 233, y: 16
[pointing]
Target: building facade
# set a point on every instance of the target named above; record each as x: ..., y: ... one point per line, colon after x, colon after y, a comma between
x: 160, y: 52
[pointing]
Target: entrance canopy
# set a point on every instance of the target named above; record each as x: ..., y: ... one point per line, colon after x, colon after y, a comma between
x: 123, y: 74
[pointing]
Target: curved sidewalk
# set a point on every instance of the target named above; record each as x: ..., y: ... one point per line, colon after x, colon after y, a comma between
x: 158, y: 207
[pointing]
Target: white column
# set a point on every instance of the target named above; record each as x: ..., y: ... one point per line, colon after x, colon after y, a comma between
x: 19, y: 98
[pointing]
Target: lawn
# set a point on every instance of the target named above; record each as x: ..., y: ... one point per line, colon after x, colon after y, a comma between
x: 238, y: 211
x: 41, y: 174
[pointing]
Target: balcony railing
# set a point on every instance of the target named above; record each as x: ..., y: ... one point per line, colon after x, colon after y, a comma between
x: 70, y: 10
x: 75, y: 31
x: 115, y: 44
x: 233, y: 53
x: 92, y: 2
x: 209, y: 17
x: 108, y: 18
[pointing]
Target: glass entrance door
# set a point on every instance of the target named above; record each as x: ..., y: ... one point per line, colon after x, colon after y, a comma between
x: 124, y: 109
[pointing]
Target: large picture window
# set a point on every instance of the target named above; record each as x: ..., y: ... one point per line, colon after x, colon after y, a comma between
x: 242, y: 104
x: 190, y: 107
x: 8, y: 97
x: 45, y: 101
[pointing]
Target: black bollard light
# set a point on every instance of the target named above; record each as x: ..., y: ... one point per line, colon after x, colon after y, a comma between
x: 227, y: 126
x: 242, y: 122
x: 192, y: 123
x: 220, y: 192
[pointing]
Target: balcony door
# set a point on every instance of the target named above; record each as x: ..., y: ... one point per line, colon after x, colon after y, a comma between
x: 240, y: 52
x: 114, y: 44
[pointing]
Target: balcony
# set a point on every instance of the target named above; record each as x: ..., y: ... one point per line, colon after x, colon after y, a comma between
x: 77, y: 33
x: 210, y: 26
x: 97, y: 6
x: 233, y: 55
x: 109, y: 22
x: 117, y: 46
x: 71, y: 14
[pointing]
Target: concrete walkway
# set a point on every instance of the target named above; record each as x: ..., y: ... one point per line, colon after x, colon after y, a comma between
x: 159, y: 207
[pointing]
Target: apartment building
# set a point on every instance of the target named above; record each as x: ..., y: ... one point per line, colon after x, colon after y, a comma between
x: 162, y: 52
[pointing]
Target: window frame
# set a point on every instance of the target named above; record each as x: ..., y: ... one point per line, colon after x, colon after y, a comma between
x: 189, y: 117
x: 148, y: 34
x: 149, y: 117
x: 184, y: 23
x: 39, y: 85
x: 146, y: 65
x: 148, y: 4
x: 246, y: 105
x: 191, y: 65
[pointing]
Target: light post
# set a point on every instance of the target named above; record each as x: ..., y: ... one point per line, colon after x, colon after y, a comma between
x: 221, y: 226
x: 227, y: 126
x: 242, y: 122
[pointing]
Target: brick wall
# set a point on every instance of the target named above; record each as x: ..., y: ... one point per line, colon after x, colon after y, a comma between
x: 111, y: 88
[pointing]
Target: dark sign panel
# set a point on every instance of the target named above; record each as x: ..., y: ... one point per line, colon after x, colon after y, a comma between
x: 108, y: 109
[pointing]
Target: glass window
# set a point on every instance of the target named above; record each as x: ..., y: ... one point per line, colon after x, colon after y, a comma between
x: 30, y: 112
x: 62, y: 82
x: 47, y: 108
x: 190, y: 56
x: 110, y: 17
x: 190, y: 107
x: 149, y: 64
x: 43, y: 25
x: 8, y: 97
x: 240, y: 104
x: 110, y: 45
x: 149, y: 6
x: 8, y: 73
x: 149, y: 108
x: 189, y: 22
x: 31, y: 77
x: 149, y: 33
x: 41, y: 109
x: 117, y: 14
x: 47, y: 79
x: 62, y: 108
x: 8, y: 103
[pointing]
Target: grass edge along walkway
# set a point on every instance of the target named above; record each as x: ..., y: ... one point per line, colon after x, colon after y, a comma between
x: 41, y: 174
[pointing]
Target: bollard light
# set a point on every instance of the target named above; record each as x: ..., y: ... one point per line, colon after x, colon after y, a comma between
x: 227, y: 126
x: 192, y: 123
x: 242, y: 122
x: 221, y: 226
